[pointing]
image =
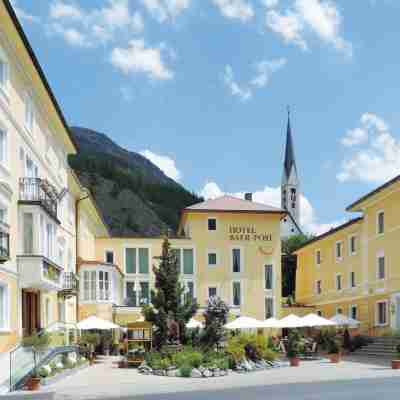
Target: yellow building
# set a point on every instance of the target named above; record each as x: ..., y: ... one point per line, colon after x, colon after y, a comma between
x: 39, y: 196
x: 226, y: 247
x: 352, y: 269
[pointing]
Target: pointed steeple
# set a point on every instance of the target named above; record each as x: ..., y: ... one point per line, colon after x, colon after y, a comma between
x: 290, y: 161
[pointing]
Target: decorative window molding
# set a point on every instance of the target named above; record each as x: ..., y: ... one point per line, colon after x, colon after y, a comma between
x: 212, y: 258
x: 381, y: 272
x: 5, y: 305
x: 237, y: 259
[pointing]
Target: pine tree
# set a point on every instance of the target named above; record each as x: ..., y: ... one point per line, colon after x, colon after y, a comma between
x: 167, y: 298
x: 216, y: 316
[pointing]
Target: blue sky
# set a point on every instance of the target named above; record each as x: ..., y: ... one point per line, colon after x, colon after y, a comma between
x: 201, y: 88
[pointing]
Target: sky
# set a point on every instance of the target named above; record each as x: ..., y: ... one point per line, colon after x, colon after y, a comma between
x: 201, y: 88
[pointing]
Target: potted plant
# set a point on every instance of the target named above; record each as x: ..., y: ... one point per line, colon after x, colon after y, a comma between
x: 334, y: 349
x: 38, y: 343
x: 293, y: 348
x: 90, y: 341
x: 396, y: 362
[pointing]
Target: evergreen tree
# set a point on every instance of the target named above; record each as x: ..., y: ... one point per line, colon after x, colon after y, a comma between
x: 216, y: 316
x: 167, y: 298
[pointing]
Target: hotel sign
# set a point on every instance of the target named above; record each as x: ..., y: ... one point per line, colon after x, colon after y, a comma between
x: 248, y: 234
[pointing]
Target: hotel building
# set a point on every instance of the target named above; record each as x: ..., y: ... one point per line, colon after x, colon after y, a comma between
x: 353, y: 269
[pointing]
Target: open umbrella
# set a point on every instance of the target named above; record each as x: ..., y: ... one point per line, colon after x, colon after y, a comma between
x: 313, y: 320
x: 291, y: 321
x: 270, y: 323
x: 94, y: 322
x: 342, y: 320
x: 193, y: 324
x: 244, y: 323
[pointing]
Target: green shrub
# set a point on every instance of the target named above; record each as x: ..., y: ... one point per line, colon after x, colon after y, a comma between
x: 43, y: 372
x: 235, y: 348
x: 185, y: 371
x: 269, y: 355
x: 153, y: 359
x: 165, y: 363
x: 293, y: 344
x: 222, y: 363
x: 195, y: 359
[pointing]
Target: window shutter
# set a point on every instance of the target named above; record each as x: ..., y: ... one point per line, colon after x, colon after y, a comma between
x: 143, y: 261
x: 130, y: 261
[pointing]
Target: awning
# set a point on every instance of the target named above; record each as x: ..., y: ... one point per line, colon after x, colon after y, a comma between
x: 291, y: 321
x: 270, y: 323
x: 94, y: 322
x: 342, y: 320
x: 244, y: 323
x: 313, y: 320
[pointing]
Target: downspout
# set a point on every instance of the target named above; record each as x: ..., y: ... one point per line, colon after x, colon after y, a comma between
x: 86, y: 196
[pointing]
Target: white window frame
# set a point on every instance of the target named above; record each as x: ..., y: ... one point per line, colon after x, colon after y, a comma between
x: 185, y: 282
x: 273, y: 277
x: 378, y: 213
x: 339, y: 259
x: 241, y: 292
x: 380, y: 255
x: 29, y: 119
x: 241, y: 249
x: 273, y: 306
x: 351, y: 308
x: 216, y: 224
x: 5, y: 86
x: 217, y: 261
x: 212, y: 286
x: 353, y: 253
x: 6, y: 306
x: 105, y: 255
x: 377, y: 323
x: 336, y: 282
x: 137, y: 247
x: 318, y: 252
x: 96, y: 299
x: 137, y: 281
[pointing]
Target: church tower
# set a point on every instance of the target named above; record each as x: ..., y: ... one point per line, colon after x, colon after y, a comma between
x: 290, y: 189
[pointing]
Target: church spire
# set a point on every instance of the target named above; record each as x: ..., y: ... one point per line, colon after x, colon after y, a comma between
x: 290, y: 161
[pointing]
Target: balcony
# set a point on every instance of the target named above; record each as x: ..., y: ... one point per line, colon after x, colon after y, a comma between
x: 4, y: 242
x: 39, y: 192
x: 70, y: 285
x: 38, y: 272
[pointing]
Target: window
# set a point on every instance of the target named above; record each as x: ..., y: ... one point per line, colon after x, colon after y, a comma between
x: 4, y: 307
x: 130, y: 261
x: 4, y: 72
x: 381, y: 313
x: 380, y: 222
x: 97, y: 286
x: 177, y: 255
x: 318, y: 257
x: 212, y: 224
x: 143, y: 261
x: 352, y: 245
x: 381, y: 267
x: 131, y: 295
x: 29, y: 113
x: 188, y: 262
x: 318, y: 287
x: 338, y: 250
x: 137, y: 257
x: 28, y: 233
x: 144, y: 293
x: 104, y: 285
x: 268, y: 276
x: 269, y: 307
x: 353, y: 312
x: 338, y: 282
x: 236, y: 294
x: 236, y: 261
x: 109, y: 257
x: 352, y: 279
x: 189, y: 291
x: 3, y: 146
x: 212, y: 259
x: 212, y: 292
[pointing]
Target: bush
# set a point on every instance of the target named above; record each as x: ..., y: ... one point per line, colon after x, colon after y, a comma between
x: 195, y: 359
x: 269, y: 355
x: 153, y: 359
x: 44, y: 372
x: 165, y: 363
x: 185, y: 371
x: 222, y: 363
x: 235, y: 348
x: 293, y: 344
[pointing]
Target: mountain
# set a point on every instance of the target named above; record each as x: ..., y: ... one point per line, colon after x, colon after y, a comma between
x: 134, y: 195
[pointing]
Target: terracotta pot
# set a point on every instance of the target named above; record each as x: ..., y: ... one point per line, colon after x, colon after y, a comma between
x: 335, y: 358
x: 395, y: 364
x: 121, y: 364
x: 294, y: 361
x: 33, y: 384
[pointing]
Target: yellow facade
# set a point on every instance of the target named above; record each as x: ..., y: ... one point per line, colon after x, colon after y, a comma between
x: 370, y: 278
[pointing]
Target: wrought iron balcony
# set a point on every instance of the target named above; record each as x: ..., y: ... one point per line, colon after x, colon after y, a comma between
x: 39, y: 191
x: 70, y: 284
x: 4, y: 242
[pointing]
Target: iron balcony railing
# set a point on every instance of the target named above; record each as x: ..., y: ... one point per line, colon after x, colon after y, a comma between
x: 39, y: 191
x: 70, y: 282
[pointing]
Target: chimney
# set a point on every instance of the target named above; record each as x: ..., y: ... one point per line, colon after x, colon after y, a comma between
x: 248, y: 196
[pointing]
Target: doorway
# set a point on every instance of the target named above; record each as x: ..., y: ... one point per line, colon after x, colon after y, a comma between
x: 30, y: 312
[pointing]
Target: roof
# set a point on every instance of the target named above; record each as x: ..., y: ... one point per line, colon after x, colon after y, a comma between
x: 330, y: 232
x: 357, y: 203
x: 233, y: 204
x: 38, y: 68
x: 290, y: 161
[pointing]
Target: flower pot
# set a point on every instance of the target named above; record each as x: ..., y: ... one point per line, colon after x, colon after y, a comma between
x: 395, y: 364
x: 33, y: 384
x: 122, y: 364
x: 294, y: 361
x: 335, y: 358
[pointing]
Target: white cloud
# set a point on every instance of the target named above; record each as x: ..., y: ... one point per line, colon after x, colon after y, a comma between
x: 95, y: 26
x: 319, y: 17
x: 264, y: 70
x: 165, y: 163
x: 235, y: 9
x: 137, y: 58
x: 270, y: 3
x: 272, y: 196
x: 354, y: 137
x: 236, y: 90
x: 166, y: 10
x: 374, y: 159
x: 22, y: 14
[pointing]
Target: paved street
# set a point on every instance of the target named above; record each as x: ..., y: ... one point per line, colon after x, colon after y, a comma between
x: 343, y: 381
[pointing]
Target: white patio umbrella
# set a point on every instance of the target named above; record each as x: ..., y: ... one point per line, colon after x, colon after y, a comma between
x: 313, y: 320
x: 343, y: 320
x: 270, y: 323
x: 291, y: 321
x: 193, y: 324
x: 244, y: 323
x: 94, y: 322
